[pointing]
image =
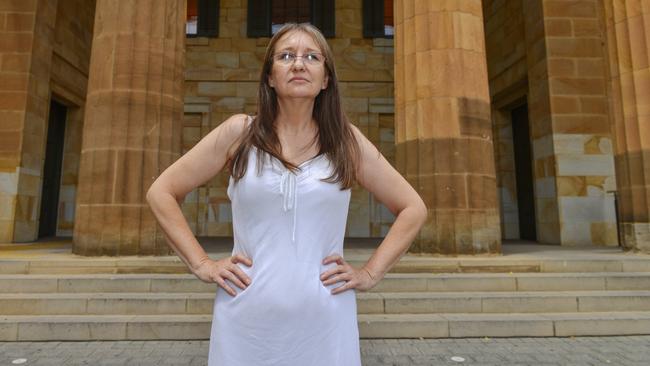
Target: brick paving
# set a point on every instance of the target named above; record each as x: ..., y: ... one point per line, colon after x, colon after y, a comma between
x: 578, y: 351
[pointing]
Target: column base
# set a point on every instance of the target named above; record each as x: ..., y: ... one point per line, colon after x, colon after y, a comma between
x: 459, y: 232
x: 636, y: 236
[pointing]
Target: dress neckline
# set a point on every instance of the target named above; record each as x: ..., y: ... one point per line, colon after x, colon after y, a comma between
x: 257, y: 150
x: 306, y: 161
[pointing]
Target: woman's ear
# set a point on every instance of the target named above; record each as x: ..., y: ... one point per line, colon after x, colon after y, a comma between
x: 269, y: 80
x: 325, y: 80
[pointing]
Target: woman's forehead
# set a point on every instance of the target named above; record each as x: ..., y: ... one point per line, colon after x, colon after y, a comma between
x: 297, y: 40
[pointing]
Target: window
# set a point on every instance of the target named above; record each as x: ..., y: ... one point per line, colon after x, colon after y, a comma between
x: 378, y: 18
x: 285, y: 11
x: 202, y: 18
x: 265, y: 17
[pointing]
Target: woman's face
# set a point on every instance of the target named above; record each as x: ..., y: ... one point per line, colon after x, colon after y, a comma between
x: 301, y: 78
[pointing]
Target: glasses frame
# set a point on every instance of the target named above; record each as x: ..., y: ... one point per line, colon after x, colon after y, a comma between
x: 296, y: 57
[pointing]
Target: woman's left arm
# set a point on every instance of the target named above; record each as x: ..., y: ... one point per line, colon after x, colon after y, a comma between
x: 376, y: 175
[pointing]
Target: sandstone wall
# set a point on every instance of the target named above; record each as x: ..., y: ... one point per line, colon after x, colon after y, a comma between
x: 44, y: 55
x: 70, y: 62
x: 553, y: 53
x: 26, y: 38
x: 571, y: 127
x: 507, y: 69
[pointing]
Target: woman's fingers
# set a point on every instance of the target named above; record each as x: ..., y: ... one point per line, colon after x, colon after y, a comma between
x: 354, y: 279
x: 241, y: 259
x: 240, y: 274
x: 335, y: 279
x: 332, y: 271
x: 333, y: 258
x: 231, y: 276
x: 238, y: 258
x: 345, y: 286
x: 221, y: 282
x: 342, y: 265
x: 227, y: 268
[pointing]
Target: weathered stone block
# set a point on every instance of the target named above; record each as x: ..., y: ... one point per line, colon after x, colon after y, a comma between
x: 558, y: 27
x: 604, y: 233
x: 219, y: 89
x: 572, y: 186
x: 574, y: 164
x: 574, y: 9
x: 564, y: 104
x: 569, y: 143
x: 587, y: 209
x: 577, y: 86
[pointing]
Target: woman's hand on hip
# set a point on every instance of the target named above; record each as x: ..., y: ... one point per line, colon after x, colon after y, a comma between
x: 357, y: 278
x: 218, y: 271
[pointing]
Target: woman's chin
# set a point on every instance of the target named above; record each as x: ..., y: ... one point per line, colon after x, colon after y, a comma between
x: 298, y: 95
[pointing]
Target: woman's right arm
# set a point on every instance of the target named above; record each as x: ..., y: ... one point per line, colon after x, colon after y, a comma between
x: 196, y: 167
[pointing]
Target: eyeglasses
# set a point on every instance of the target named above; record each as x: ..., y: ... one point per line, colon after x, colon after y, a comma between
x: 288, y: 58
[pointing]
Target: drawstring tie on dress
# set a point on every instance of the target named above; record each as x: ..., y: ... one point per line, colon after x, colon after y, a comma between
x: 289, y: 197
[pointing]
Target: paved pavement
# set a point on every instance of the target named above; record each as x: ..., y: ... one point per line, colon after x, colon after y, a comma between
x: 623, y: 351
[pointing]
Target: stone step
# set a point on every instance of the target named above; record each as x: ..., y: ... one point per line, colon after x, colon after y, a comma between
x: 392, y: 282
x: 408, y: 264
x: 106, y: 304
x: 503, y: 302
x: 368, y: 303
x: 181, y: 327
x: 503, y: 325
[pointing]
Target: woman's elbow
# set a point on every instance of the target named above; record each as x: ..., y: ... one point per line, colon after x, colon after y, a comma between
x: 422, y: 211
x: 158, y: 191
x: 153, y: 193
x: 149, y: 196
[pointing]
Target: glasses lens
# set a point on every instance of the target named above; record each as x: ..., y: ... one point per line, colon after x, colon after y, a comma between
x: 313, y: 58
x: 285, y: 57
x: 288, y: 58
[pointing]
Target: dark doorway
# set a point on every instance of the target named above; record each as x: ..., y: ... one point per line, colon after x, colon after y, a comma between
x: 52, y: 170
x: 524, y: 173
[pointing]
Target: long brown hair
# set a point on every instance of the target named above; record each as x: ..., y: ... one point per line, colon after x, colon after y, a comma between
x: 335, y: 136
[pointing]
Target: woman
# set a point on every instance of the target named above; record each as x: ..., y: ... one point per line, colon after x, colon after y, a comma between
x: 286, y: 296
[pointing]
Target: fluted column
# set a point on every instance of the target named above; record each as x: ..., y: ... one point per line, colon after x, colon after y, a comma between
x: 628, y: 28
x: 443, y: 130
x: 132, y: 124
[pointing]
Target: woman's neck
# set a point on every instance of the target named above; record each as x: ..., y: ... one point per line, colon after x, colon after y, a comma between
x: 295, y: 116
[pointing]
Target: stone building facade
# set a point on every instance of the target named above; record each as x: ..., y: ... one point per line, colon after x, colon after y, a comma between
x: 525, y: 119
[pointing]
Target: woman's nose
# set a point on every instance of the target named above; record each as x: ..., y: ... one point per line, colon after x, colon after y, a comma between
x: 298, y: 64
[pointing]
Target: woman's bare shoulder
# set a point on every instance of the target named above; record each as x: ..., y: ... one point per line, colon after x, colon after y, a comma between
x: 235, y: 125
x: 366, y: 147
x: 205, y: 159
x: 228, y: 135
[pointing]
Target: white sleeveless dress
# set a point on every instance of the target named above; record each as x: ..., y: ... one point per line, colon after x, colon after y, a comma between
x: 287, y: 224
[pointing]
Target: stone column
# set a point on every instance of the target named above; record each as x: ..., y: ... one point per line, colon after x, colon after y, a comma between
x: 628, y: 28
x: 132, y: 124
x: 26, y: 43
x: 443, y: 130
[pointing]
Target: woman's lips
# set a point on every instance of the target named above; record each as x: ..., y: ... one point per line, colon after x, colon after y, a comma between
x: 297, y: 79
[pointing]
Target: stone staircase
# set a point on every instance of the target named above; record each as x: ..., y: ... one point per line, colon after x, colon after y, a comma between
x: 154, y: 298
